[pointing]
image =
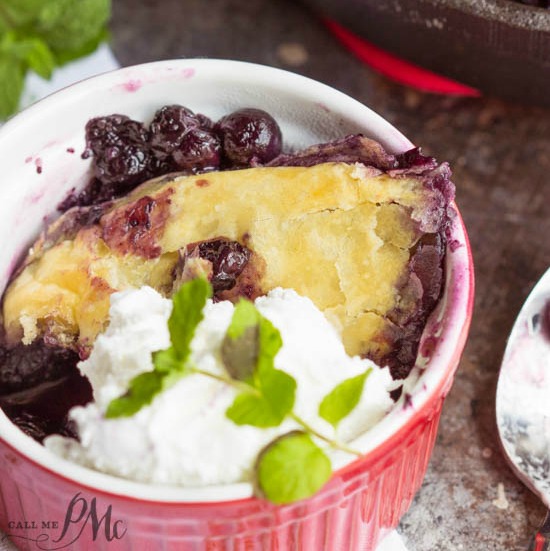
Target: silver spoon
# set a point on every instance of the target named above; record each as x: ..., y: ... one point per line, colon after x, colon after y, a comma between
x: 523, y: 400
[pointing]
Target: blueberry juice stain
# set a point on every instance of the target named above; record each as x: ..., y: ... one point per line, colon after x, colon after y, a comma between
x: 39, y: 384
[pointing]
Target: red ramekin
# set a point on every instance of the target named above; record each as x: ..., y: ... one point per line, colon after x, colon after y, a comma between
x: 49, y: 503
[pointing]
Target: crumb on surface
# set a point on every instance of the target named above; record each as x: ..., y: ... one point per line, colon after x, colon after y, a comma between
x: 500, y: 502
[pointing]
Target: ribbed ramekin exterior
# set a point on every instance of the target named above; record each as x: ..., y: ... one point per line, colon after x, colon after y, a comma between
x: 359, y: 504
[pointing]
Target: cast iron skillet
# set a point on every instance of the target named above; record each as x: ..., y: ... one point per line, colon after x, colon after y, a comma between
x: 500, y: 47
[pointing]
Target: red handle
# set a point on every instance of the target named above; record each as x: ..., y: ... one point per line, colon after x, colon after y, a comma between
x: 541, y: 540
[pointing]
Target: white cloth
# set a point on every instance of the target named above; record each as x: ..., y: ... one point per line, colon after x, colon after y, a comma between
x: 392, y: 542
x: 100, y: 61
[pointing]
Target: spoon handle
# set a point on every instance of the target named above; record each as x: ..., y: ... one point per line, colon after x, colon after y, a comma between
x: 541, y: 540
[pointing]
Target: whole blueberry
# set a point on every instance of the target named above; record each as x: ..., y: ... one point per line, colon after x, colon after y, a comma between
x: 199, y: 151
x: 104, y: 131
x: 168, y: 127
x: 228, y: 259
x: 204, y: 122
x: 249, y: 135
x: 120, y: 149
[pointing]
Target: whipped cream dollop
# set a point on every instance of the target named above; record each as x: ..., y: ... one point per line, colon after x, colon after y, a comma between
x: 184, y: 437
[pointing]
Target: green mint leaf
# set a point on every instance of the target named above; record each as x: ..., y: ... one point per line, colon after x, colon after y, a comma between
x: 186, y: 314
x: 144, y: 387
x: 38, y: 56
x: 240, y: 345
x: 268, y: 404
x: 68, y: 25
x: 245, y: 315
x: 279, y: 390
x: 17, y: 13
x: 343, y: 398
x: 248, y: 352
x: 166, y: 361
x: 12, y: 75
x: 270, y: 342
x: 240, y: 356
x: 48, y: 32
x: 254, y: 410
x: 251, y: 342
x: 84, y: 49
x: 141, y: 392
x: 290, y: 468
x: 32, y: 52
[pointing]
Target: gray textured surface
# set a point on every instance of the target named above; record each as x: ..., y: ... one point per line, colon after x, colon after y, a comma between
x: 501, y: 158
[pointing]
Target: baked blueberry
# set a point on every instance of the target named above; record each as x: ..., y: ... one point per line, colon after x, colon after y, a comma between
x: 249, y: 136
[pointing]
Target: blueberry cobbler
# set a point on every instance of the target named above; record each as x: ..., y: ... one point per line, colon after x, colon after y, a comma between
x: 203, y: 259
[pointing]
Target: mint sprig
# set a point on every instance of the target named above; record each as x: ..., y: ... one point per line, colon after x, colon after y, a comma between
x: 292, y: 466
x: 38, y: 35
x: 172, y: 364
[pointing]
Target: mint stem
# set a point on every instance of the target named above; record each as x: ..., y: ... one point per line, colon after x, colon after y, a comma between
x: 332, y: 443
x: 243, y: 387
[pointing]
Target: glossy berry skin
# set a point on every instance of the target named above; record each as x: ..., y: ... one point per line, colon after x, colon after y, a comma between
x: 199, y: 150
x: 120, y: 149
x: 204, y: 122
x: 228, y: 259
x: 249, y: 136
x: 168, y: 127
x: 183, y: 141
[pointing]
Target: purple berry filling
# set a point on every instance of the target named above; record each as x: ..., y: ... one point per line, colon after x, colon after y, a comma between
x: 39, y: 384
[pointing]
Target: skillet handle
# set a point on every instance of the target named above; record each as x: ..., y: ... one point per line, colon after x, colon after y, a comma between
x: 541, y: 540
